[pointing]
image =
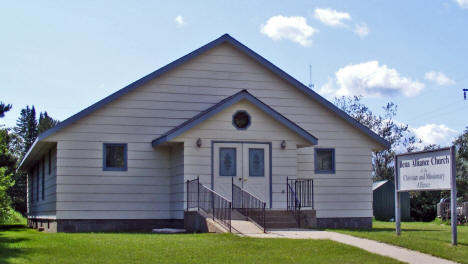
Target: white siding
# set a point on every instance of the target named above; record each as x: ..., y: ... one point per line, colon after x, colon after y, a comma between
x: 147, y: 112
x: 43, y: 204
x: 177, y: 181
x: 85, y: 191
x: 197, y: 161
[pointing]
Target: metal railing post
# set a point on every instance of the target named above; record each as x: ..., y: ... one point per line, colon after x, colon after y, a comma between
x: 229, y: 213
x: 198, y: 193
x: 213, y: 205
x: 287, y: 193
x: 232, y: 190
x: 188, y: 195
x: 264, y: 227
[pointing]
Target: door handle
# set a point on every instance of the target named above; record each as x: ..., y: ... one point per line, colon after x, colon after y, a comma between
x: 240, y: 179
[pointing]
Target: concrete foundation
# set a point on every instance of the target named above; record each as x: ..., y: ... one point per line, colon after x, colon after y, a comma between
x: 102, y: 225
x: 345, y: 223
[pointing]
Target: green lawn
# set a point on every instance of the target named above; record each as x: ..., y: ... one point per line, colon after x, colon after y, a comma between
x: 22, y: 245
x: 431, y: 238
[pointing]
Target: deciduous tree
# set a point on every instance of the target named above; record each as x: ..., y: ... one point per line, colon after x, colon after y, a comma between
x: 396, y: 133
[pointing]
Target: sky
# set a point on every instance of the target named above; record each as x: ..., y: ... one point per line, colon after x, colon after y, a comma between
x: 62, y: 56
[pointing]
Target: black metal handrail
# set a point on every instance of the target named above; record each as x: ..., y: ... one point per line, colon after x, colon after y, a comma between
x: 293, y: 204
x: 212, y: 203
x: 248, y: 205
x: 300, y: 194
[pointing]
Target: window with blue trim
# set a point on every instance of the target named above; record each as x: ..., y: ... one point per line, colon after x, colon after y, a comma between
x: 324, y: 160
x: 256, y: 162
x: 115, y: 157
x: 227, y: 162
x: 241, y: 120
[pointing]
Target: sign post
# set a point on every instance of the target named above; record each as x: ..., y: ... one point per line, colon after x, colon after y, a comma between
x: 453, y: 197
x: 397, y: 202
x: 426, y: 171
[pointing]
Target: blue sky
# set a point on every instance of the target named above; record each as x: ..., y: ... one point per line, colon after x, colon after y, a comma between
x: 63, y: 56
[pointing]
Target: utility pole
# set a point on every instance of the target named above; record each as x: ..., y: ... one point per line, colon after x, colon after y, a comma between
x: 464, y: 93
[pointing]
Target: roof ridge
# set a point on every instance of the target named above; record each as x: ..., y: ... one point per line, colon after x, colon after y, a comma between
x: 223, y: 38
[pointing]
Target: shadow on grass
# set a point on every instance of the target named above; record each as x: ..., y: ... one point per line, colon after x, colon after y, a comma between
x: 14, y: 227
x: 7, y: 252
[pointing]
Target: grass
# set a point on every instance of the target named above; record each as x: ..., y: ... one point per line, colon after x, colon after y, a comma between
x: 21, y: 245
x: 13, y: 218
x: 432, y: 238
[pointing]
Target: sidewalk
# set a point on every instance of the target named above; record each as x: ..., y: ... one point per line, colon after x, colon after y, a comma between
x: 399, y: 253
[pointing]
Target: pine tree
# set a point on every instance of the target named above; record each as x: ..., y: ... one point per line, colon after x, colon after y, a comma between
x: 45, y: 122
x: 26, y: 128
x: 4, y: 108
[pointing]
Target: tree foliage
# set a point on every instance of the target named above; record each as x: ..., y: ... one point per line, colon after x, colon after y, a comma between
x: 4, y: 108
x: 397, y: 134
x: 5, y: 202
x: 45, y: 122
x: 26, y: 129
x: 7, y: 165
x: 461, y: 145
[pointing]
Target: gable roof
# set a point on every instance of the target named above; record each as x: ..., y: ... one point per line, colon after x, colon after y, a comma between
x: 225, y: 103
x: 226, y: 38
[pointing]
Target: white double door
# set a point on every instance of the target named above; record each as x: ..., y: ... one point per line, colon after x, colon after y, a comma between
x: 248, y: 164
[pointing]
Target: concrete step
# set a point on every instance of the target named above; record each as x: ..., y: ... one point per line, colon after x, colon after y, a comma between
x: 281, y: 225
x: 283, y: 218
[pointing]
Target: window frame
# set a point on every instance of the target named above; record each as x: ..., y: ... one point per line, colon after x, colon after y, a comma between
x: 50, y: 161
x: 43, y: 179
x: 248, y: 116
x: 316, y: 170
x: 263, y: 164
x: 31, y: 177
x: 234, y: 165
x: 37, y: 182
x: 104, y: 156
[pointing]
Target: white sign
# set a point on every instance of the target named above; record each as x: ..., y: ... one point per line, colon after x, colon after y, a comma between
x: 420, y: 171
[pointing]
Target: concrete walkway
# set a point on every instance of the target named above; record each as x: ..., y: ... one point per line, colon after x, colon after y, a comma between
x: 399, y: 253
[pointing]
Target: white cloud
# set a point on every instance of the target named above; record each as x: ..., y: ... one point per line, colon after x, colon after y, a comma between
x: 370, y: 79
x: 179, y: 20
x: 439, y: 78
x: 361, y: 29
x: 435, y: 134
x: 294, y: 28
x: 331, y: 17
x: 462, y: 3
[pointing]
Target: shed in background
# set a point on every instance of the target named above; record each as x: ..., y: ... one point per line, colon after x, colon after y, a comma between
x: 384, y: 201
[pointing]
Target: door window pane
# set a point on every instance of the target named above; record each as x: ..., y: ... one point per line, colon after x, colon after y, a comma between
x: 227, y: 162
x: 256, y: 162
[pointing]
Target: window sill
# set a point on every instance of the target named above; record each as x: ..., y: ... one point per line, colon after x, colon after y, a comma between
x: 325, y: 172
